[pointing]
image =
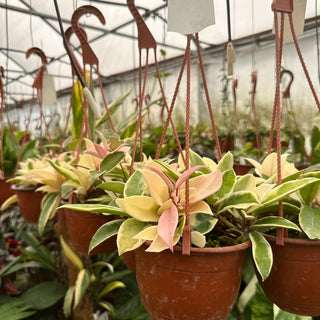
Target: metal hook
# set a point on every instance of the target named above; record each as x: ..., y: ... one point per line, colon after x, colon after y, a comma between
x: 68, y: 34
x: 286, y: 93
x: 39, y: 52
x: 145, y: 38
x: 147, y: 99
x: 37, y: 82
x: 89, y: 56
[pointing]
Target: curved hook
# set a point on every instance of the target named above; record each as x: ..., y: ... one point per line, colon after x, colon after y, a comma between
x: 147, y: 99
x: 68, y: 34
x: 136, y: 103
x: 89, y: 56
x: 286, y: 93
x: 145, y: 38
x: 254, y: 81
x: 37, y: 82
x: 39, y: 52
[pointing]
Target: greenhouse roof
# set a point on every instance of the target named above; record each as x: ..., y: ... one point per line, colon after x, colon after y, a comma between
x: 33, y: 23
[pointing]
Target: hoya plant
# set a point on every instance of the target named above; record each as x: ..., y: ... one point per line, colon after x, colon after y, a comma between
x: 225, y: 209
x: 84, y: 177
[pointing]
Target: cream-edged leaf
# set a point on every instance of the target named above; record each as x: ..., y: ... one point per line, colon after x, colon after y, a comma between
x: 157, y: 187
x: 142, y: 208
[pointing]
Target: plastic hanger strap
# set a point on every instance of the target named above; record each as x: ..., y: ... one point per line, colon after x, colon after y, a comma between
x: 282, y: 5
x: 253, y: 108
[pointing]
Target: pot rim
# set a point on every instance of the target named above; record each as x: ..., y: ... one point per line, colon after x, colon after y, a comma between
x: 227, y: 249
x: 305, y: 242
x: 18, y: 188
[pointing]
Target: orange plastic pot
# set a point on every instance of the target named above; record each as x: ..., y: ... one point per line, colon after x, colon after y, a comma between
x: 201, y: 286
x: 29, y: 202
x: 5, y: 191
x: 130, y: 260
x: 81, y: 228
x: 293, y: 283
x: 242, y: 169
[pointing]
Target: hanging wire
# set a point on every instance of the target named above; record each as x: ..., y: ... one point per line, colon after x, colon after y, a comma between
x: 229, y: 21
x: 7, y: 49
x: 30, y: 24
x: 253, y: 59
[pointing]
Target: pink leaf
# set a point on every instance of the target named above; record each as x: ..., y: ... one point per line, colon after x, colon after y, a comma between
x: 167, y: 225
x: 100, y: 150
x: 163, y: 176
x: 186, y: 175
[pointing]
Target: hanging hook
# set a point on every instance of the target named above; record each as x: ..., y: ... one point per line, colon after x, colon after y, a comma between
x: 37, y: 82
x: 68, y: 34
x: 234, y: 86
x: 286, y: 93
x: 145, y: 38
x: 39, y: 52
x: 89, y: 56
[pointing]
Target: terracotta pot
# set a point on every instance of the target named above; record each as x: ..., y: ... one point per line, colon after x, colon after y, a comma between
x: 130, y: 260
x: 242, y: 169
x: 293, y: 283
x: 82, y: 226
x: 5, y: 191
x: 201, y: 286
x: 301, y: 166
x: 29, y: 202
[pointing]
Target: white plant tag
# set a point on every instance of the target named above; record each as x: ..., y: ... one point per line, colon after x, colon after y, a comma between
x: 298, y: 17
x: 190, y: 16
x: 231, y: 58
x: 49, y: 95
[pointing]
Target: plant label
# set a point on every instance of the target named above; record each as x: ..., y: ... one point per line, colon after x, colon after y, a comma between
x: 49, y: 95
x: 190, y: 16
x: 298, y: 16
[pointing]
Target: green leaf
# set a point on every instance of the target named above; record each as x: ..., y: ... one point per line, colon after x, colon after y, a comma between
x: 67, y: 173
x: 135, y: 185
x: 13, y: 311
x: 21, y: 266
x: 262, y: 254
x: 246, y: 182
x: 196, y: 160
x: 43, y: 295
x: 70, y: 254
x: 96, y: 208
x: 309, y: 220
x: 279, y: 192
x: 106, y: 231
x: 226, y: 162
x: 129, y: 229
x: 229, y: 179
x: 113, y: 107
x: 50, y: 203
x: 111, y: 161
x: 202, y: 222
x: 113, y: 186
x: 238, y: 200
x: 308, y: 193
x: 68, y: 300
x: 81, y: 285
x: 110, y: 287
x: 274, y: 222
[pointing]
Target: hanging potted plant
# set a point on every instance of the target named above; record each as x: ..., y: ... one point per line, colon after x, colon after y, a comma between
x: 25, y: 186
x: 84, y: 183
x: 9, y: 158
x: 293, y: 280
x: 153, y: 218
